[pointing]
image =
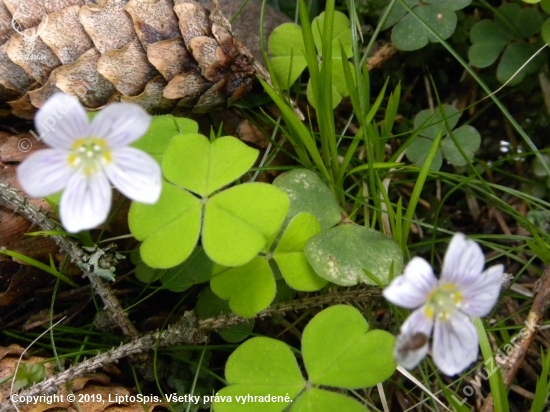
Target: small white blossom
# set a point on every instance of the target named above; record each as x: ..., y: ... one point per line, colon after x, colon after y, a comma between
x: 85, y: 156
x: 444, y: 306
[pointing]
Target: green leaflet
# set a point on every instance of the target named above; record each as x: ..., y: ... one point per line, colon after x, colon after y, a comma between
x: 506, y: 36
x: 161, y: 131
x: 467, y: 137
x: 308, y: 193
x: 352, y: 358
x: 238, y: 222
x: 409, y: 33
x: 202, y: 167
x: 169, y: 229
x: 290, y: 257
x: 210, y: 305
x: 197, y: 268
x: 320, y: 400
x: 249, y: 288
x: 349, y: 254
x: 287, y: 48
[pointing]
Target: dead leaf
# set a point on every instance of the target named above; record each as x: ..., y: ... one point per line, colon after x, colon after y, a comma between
x: 25, y: 280
x: 90, y: 386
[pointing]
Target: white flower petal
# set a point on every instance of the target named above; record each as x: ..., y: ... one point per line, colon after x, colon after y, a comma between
x: 411, y: 289
x: 61, y: 121
x: 136, y: 174
x: 86, y: 201
x: 481, y: 293
x: 44, y: 172
x: 463, y: 260
x: 411, y: 345
x: 120, y: 124
x: 455, y: 344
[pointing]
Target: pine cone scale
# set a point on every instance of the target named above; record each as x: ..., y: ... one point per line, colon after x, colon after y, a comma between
x: 153, y: 52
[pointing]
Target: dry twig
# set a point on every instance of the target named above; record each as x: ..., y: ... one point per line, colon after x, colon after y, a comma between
x: 534, y: 318
x: 10, y: 197
x: 187, y: 331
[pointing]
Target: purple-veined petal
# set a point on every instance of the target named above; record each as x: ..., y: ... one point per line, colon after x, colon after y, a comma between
x: 481, y: 293
x: 463, y: 260
x: 411, y: 289
x: 44, y: 172
x: 412, y: 344
x: 455, y: 344
x: 61, y: 121
x: 86, y: 201
x: 135, y: 174
x: 120, y: 124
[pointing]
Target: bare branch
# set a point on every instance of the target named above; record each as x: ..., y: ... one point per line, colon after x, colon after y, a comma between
x: 21, y: 205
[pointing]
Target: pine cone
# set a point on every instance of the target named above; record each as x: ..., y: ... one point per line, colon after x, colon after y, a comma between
x: 161, y: 54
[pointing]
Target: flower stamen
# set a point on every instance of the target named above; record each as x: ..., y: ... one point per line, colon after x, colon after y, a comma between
x: 444, y: 301
x: 89, y: 154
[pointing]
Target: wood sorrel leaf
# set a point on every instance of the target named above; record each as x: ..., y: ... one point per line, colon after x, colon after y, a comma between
x: 397, y: 12
x: 514, y: 57
x: 308, y: 193
x: 469, y: 140
x: 431, y: 121
x: 452, y: 4
x: 210, y: 305
x: 275, y: 373
x: 144, y: 273
x: 344, y: 253
x: 319, y: 400
x: 286, y: 45
x: 289, y: 254
x: 239, y: 221
x: 28, y: 374
x: 418, y: 151
x: 338, y: 351
x: 161, y: 131
x: 249, y: 288
x: 169, y: 229
x: 545, y: 31
x: 410, y: 34
x: 352, y: 357
x: 528, y: 20
x: 197, y: 268
x: 510, y: 29
x: 336, y: 94
x: 247, y: 299
x: 341, y: 34
x: 196, y: 164
x: 488, y: 41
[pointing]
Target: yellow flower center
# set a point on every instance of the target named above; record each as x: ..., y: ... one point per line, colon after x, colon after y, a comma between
x: 443, y: 301
x: 89, y: 154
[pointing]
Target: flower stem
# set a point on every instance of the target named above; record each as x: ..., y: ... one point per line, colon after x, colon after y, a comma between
x: 495, y: 379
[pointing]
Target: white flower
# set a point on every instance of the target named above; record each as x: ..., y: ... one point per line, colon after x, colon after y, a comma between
x: 85, y: 156
x: 444, y: 306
